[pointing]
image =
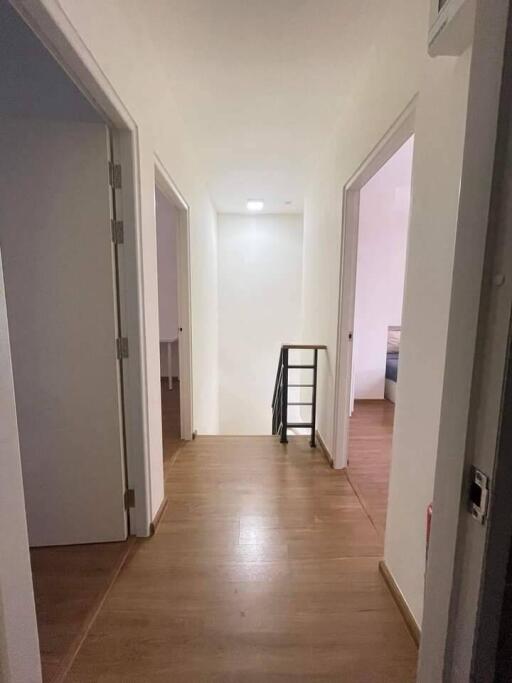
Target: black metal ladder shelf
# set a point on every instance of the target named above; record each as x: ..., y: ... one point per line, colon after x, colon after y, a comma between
x: 280, y: 403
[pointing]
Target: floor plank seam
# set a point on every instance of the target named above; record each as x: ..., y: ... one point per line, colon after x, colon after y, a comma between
x: 60, y: 677
x: 172, y: 460
x: 363, y: 505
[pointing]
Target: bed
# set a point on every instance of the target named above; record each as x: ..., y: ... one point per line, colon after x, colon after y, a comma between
x: 392, y: 357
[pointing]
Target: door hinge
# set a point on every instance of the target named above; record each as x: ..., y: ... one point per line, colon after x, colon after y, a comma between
x: 122, y: 347
x: 479, y: 495
x: 129, y: 499
x: 114, y: 175
x: 117, y: 231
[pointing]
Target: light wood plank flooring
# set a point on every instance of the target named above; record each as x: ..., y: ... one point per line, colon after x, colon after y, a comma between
x: 70, y: 583
x: 264, y: 568
x: 370, y: 437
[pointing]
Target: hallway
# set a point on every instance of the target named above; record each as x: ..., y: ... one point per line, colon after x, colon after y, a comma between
x: 264, y: 568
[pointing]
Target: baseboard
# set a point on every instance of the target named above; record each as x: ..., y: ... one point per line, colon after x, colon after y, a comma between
x: 154, y: 524
x: 324, y: 449
x: 409, y: 619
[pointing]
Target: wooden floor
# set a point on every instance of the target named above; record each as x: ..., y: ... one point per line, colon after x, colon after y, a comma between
x: 263, y: 569
x: 70, y: 582
x: 370, y: 435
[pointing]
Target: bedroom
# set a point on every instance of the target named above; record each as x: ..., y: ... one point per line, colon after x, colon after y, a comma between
x: 380, y: 275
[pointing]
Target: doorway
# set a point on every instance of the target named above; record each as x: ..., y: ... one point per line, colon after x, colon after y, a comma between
x: 383, y: 222
x: 395, y: 139
x: 59, y: 251
x: 167, y: 221
x: 373, y: 263
x: 175, y: 351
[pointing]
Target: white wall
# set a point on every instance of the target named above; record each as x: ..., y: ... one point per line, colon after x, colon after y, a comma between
x: 167, y: 222
x: 437, y: 173
x: 19, y: 646
x: 110, y: 43
x: 260, y: 282
x: 386, y: 78
x: 166, y: 234
x: 382, y: 241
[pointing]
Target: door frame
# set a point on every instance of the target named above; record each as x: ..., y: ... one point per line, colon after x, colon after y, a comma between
x: 168, y: 187
x: 466, y: 565
x: 396, y: 136
x: 56, y: 32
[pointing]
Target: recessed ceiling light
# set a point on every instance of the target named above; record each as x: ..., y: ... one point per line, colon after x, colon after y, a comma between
x: 255, y: 205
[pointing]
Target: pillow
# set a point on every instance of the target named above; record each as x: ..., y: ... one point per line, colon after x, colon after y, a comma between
x: 393, y: 340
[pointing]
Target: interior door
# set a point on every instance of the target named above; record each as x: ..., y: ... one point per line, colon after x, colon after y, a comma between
x: 56, y: 242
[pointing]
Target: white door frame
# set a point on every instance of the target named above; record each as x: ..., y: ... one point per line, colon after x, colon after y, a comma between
x: 168, y: 187
x: 460, y: 551
x: 52, y: 26
x: 396, y: 136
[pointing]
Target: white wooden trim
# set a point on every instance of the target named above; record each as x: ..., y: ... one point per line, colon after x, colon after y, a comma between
x: 169, y: 188
x: 468, y: 419
x: 397, y: 135
x: 344, y: 350
x: 57, y: 33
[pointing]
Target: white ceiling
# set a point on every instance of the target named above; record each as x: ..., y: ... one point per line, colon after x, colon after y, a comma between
x: 259, y: 85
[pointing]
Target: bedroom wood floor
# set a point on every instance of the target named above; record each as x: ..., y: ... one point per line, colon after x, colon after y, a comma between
x: 264, y: 568
x: 370, y: 436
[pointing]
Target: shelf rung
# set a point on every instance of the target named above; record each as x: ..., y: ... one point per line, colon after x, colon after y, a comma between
x: 300, y: 404
x: 301, y: 385
x: 299, y: 425
x: 301, y: 367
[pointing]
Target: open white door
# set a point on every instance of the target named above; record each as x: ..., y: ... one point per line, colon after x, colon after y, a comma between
x: 56, y: 242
